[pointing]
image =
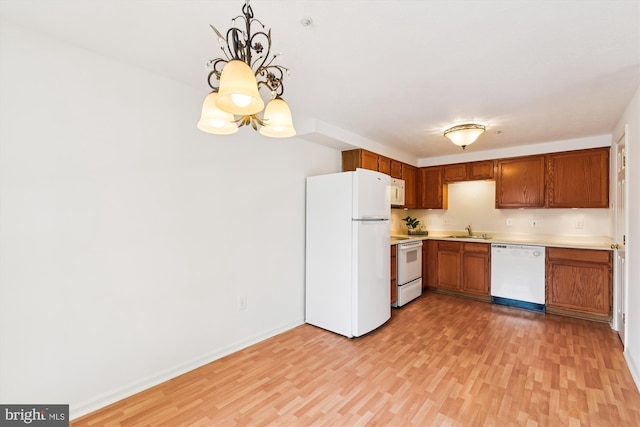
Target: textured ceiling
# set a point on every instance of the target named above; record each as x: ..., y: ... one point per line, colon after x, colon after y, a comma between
x: 392, y: 72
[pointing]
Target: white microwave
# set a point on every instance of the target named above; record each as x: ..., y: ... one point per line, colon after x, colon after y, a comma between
x: 396, y: 192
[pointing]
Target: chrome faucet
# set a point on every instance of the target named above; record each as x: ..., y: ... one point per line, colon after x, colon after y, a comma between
x: 468, y: 228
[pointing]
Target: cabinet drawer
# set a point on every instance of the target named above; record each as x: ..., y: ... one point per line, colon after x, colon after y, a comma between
x: 585, y: 255
x: 476, y: 247
x: 449, y: 246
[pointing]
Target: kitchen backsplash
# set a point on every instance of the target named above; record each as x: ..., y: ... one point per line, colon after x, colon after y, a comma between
x: 473, y: 203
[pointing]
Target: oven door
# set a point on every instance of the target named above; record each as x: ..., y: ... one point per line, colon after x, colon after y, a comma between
x: 409, y: 259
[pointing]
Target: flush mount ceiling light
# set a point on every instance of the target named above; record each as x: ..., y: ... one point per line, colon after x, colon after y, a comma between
x: 236, y: 81
x: 465, y: 134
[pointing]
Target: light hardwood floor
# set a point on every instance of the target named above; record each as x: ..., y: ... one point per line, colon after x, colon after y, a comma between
x: 439, y: 361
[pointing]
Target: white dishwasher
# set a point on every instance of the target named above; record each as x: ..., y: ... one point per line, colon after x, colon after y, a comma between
x: 518, y: 276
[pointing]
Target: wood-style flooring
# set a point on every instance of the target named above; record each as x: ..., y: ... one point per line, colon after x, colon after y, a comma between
x: 439, y: 361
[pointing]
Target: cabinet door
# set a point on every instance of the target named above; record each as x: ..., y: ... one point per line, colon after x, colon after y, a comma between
x: 394, y: 288
x: 449, y: 265
x: 384, y: 165
x: 396, y: 169
x: 480, y: 170
x: 579, y: 279
x: 455, y: 173
x: 476, y: 270
x: 409, y: 175
x: 578, y: 179
x: 520, y: 182
x: 579, y: 286
x: 430, y: 264
x: 368, y: 160
x: 350, y: 160
x: 432, y: 190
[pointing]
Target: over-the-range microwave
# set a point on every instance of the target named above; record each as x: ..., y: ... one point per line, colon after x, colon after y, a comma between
x: 396, y: 192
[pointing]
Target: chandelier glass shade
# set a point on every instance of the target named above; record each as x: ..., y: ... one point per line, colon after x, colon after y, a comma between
x: 278, y: 116
x: 214, y: 120
x: 238, y: 93
x: 464, y: 134
x: 236, y: 79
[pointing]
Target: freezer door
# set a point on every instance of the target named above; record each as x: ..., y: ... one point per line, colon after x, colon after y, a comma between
x: 371, y: 195
x: 371, y: 282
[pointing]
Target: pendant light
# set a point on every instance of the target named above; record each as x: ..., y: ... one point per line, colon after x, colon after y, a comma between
x: 247, y: 66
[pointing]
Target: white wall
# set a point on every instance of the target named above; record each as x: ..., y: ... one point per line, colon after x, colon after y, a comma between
x: 473, y: 203
x: 631, y: 117
x: 127, y: 235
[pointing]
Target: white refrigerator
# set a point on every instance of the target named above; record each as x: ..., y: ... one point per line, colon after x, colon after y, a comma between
x: 347, y: 252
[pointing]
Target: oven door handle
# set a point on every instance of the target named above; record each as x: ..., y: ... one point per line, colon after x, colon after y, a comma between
x: 408, y: 246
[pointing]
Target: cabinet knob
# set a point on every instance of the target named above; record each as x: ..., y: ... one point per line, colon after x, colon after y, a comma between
x: 614, y: 246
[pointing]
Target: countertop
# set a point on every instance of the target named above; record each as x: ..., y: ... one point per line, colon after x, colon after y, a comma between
x: 597, y: 243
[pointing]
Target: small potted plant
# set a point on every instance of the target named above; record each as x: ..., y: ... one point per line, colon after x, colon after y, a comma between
x: 413, y: 225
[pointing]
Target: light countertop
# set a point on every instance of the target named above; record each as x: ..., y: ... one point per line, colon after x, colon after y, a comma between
x: 577, y: 242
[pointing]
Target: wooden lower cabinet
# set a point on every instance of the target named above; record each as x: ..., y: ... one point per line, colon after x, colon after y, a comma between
x: 449, y: 265
x: 464, y: 268
x: 476, y: 267
x: 430, y: 264
x: 579, y: 283
x: 394, y: 288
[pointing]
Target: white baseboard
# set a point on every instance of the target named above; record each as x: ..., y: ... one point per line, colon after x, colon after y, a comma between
x: 633, y: 367
x: 79, y: 409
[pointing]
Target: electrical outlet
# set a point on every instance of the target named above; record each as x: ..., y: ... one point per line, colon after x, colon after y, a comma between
x: 509, y: 222
x: 534, y: 223
x: 446, y: 220
x: 242, y: 302
x: 579, y: 224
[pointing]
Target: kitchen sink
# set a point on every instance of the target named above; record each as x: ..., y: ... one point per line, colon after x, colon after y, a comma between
x: 465, y: 236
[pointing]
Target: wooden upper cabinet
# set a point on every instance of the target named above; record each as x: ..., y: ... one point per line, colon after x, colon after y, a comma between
x: 359, y: 158
x: 520, y: 182
x: 369, y: 160
x: 432, y: 191
x: 454, y: 173
x: 480, y: 170
x: 384, y: 165
x: 578, y: 179
x: 410, y: 177
x: 396, y: 169
x: 473, y: 171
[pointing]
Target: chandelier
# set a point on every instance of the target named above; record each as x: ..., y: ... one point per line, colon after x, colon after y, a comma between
x: 465, y: 134
x: 236, y: 80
